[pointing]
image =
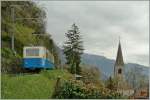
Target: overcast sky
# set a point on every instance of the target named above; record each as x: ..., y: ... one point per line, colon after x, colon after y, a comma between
x: 101, y: 23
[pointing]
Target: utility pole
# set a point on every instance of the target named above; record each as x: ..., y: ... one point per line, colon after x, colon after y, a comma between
x: 13, y: 27
x: 13, y: 22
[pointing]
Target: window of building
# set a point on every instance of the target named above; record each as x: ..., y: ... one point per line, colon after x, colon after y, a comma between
x: 119, y: 71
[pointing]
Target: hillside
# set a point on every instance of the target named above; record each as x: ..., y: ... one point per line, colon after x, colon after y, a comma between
x: 26, y: 32
x: 31, y: 86
x: 105, y: 65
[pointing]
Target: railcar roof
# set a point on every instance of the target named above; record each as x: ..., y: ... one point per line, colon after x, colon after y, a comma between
x: 34, y: 47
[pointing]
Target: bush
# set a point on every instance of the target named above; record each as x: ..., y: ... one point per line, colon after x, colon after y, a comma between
x: 66, y: 90
x: 74, y: 89
x: 114, y: 95
x: 10, y: 62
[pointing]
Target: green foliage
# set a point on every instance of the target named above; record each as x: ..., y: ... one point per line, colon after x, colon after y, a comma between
x: 73, y: 48
x: 114, y: 95
x: 23, y: 37
x: 26, y: 32
x: 74, y: 89
x: 10, y: 62
x: 23, y: 30
x: 25, y: 9
x: 111, y: 83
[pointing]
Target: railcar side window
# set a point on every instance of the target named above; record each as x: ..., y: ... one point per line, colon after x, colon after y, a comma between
x: 32, y: 52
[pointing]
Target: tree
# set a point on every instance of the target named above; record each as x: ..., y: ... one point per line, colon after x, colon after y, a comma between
x: 111, y: 83
x: 73, y: 49
x: 136, y: 78
x: 90, y: 74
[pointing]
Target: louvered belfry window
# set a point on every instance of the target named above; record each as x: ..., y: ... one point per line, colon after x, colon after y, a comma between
x: 119, y: 71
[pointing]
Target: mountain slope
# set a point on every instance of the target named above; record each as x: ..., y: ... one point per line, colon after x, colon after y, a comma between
x: 105, y: 65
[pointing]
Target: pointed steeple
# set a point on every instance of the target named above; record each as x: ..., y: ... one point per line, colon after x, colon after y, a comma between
x: 119, y: 59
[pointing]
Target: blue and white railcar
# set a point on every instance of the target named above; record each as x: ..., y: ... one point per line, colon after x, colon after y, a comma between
x: 37, y: 57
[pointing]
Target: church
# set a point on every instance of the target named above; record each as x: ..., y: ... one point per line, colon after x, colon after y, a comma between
x: 122, y: 85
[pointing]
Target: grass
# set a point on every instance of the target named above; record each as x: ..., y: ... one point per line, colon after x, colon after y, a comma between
x: 35, y: 86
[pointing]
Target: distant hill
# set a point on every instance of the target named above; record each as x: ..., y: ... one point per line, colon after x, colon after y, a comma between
x: 105, y: 65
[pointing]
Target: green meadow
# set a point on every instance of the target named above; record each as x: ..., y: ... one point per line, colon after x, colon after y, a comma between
x: 31, y: 86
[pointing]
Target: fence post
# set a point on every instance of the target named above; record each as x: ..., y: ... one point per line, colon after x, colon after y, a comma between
x: 57, y: 86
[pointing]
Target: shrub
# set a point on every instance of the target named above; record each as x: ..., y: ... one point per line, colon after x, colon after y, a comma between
x: 10, y: 63
x: 74, y: 89
x: 66, y: 89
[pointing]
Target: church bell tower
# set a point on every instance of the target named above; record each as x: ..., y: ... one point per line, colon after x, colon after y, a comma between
x: 119, y: 64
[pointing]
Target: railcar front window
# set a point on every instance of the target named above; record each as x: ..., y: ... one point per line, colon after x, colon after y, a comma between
x: 49, y: 56
x: 32, y: 52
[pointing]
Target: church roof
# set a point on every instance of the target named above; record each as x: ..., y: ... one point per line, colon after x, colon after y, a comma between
x: 119, y: 59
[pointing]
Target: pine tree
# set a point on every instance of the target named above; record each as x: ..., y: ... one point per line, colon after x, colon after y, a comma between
x: 73, y: 49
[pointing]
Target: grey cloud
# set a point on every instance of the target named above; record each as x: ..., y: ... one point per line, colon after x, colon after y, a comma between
x: 101, y: 23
